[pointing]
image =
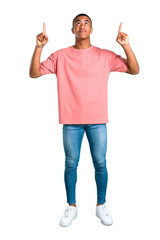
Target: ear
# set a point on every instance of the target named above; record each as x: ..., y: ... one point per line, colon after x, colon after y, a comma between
x: 72, y: 29
x: 91, y: 30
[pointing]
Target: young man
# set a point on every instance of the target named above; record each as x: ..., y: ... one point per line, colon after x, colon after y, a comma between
x: 82, y: 72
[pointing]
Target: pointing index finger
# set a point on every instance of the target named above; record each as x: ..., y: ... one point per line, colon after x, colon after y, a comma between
x: 44, y: 29
x: 120, y: 28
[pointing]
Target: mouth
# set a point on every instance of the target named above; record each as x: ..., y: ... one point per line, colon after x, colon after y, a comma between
x: 82, y: 31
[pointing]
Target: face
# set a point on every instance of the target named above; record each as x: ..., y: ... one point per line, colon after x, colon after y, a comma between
x: 82, y: 27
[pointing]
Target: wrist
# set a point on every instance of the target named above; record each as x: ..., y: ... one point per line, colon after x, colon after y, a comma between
x: 126, y: 45
x: 39, y: 46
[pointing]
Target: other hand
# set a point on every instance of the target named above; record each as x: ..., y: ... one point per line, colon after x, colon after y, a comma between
x: 122, y: 38
x: 42, y: 39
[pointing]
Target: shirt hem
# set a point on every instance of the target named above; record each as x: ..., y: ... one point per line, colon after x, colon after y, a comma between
x: 97, y: 122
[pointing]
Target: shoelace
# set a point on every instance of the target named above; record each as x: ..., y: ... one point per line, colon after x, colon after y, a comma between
x: 67, y: 212
x: 103, y: 209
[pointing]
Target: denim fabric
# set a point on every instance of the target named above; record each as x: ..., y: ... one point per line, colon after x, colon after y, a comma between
x: 72, y: 140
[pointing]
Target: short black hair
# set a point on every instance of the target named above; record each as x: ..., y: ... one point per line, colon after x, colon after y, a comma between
x: 81, y: 14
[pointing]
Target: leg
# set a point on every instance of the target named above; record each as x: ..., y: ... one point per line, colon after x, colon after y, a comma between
x: 97, y: 137
x: 72, y: 140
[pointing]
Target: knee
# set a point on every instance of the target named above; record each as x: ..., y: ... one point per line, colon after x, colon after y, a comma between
x: 99, y: 163
x: 71, y: 163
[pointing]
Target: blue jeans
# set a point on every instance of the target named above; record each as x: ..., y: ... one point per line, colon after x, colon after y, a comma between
x: 72, y: 140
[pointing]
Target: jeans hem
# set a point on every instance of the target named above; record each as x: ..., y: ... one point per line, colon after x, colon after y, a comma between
x: 71, y: 203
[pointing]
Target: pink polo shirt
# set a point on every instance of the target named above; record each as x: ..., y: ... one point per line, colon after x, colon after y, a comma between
x: 82, y: 82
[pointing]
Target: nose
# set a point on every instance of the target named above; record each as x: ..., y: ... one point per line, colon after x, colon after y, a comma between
x: 82, y: 26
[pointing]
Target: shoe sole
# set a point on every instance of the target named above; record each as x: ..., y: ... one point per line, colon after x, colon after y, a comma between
x: 106, y: 224
x: 70, y: 223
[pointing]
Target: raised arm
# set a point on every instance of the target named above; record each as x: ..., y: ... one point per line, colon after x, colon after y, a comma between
x: 41, y: 40
x: 123, y: 40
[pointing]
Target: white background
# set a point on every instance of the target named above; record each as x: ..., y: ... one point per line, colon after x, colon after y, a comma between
x: 32, y: 192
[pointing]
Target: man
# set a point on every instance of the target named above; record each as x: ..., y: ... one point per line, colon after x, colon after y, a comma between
x: 82, y: 74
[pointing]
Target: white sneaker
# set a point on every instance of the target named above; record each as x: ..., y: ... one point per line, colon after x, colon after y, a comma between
x: 104, y: 215
x: 69, y: 214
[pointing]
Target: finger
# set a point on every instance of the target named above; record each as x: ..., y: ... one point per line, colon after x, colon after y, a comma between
x: 40, y: 34
x: 44, y: 29
x: 44, y: 37
x: 120, y: 28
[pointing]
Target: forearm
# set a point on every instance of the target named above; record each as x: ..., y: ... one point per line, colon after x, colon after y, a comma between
x: 131, y: 59
x: 35, y: 62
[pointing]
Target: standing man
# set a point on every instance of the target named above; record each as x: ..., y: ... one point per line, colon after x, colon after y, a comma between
x: 82, y: 72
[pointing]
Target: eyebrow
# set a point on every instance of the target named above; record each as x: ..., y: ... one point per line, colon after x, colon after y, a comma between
x: 80, y: 20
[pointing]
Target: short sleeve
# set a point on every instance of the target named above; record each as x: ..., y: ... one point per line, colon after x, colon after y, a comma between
x: 49, y: 65
x: 118, y: 63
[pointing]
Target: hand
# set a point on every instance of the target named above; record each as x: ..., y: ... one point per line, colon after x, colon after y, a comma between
x: 42, y: 39
x: 122, y: 38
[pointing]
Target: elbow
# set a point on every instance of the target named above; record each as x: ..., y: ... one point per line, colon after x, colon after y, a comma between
x: 32, y: 76
x: 35, y: 75
x: 133, y: 72
x: 137, y: 72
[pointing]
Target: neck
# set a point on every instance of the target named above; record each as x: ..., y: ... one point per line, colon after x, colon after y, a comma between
x: 82, y: 44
